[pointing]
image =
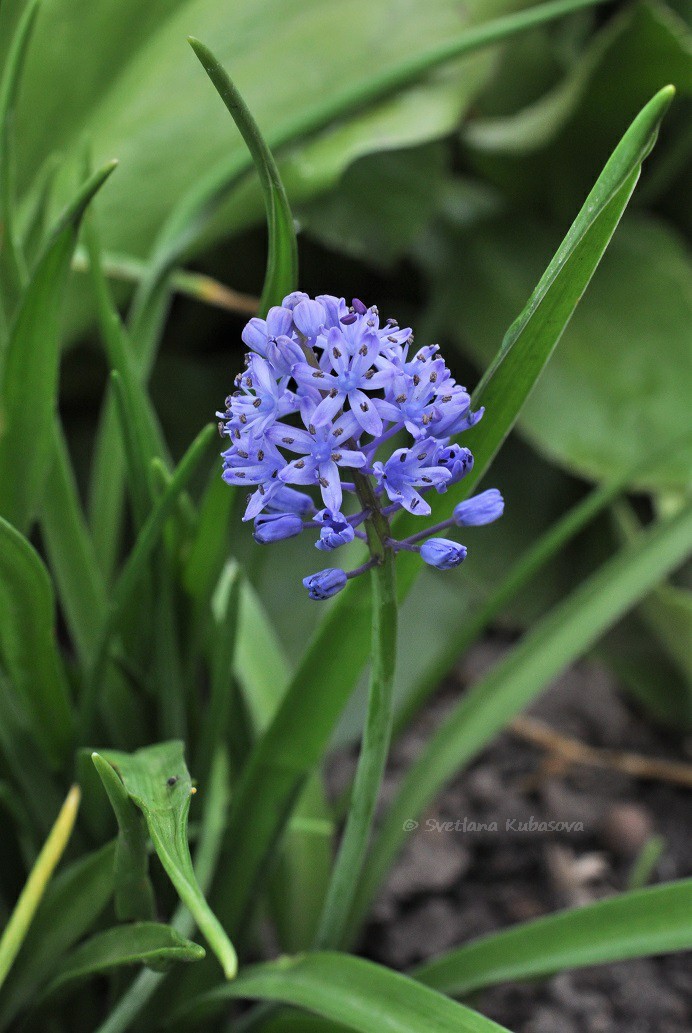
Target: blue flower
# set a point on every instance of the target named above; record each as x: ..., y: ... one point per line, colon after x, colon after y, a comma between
x: 325, y: 583
x: 353, y: 382
x: 322, y: 453
x: 481, y: 509
x: 442, y: 553
x: 408, y: 469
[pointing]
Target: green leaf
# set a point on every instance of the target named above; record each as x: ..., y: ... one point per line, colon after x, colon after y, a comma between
x: 70, y: 907
x: 12, y: 269
x: 349, y: 990
x: 134, y: 894
x: 28, y: 646
x: 630, y: 925
x: 559, y: 638
x: 206, y: 857
x: 303, y: 725
x: 157, y: 781
x: 135, y: 63
x: 15, y: 931
x: 638, y: 308
x: 71, y: 554
x: 142, y: 943
x: 136, y: 565
x: 29, y: 385
x: 281, y: 276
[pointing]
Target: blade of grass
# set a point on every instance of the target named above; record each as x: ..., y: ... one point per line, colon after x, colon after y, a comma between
x: 16, y: 929
x: 629, y: 925
x: 558, y: 639
x: 302, y: 727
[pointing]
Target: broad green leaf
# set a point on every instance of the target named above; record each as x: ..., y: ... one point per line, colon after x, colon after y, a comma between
x: 546, y: 155
x: 303, y: 725
x: 629, y: 925
x: 29, y: 382
x: 296, y: 1022
x: 71, y: 906
x: 349, y: 990
x: 281, y: 276
x: 136, y: 62
x: 15, y: 931
x: 158, y: 782
x: 28, y: 645
x: 559, y: 638
x: 142, y: 943
x: 638, y: 309
x: 134, y: 894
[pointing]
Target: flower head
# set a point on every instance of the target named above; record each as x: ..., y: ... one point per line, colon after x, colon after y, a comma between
x: 326, y: 386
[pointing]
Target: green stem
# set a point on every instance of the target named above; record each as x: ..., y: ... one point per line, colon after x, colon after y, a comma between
x: 374, y: 749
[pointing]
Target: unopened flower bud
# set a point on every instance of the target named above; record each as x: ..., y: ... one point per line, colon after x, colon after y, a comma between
x: 273, y: 527
x: 481, y: 509
x: 442, y: 553
x: 334, y: 532
x: 325, y: 583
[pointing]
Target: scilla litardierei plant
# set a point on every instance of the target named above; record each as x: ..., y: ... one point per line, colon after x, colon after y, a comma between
x: 340, y: 428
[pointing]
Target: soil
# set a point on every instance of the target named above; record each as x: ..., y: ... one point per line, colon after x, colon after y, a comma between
x: 451, y: 886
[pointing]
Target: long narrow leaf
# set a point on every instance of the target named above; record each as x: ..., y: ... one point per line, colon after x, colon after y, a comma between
x: 71, y: 553
x: 28, y: 390
x: 559, y: 639
x: 357, y: 993
x: 71, y: 906
x: 16, y: 929
x: 630, y: 925
x: 12, y: 269
x: 281, y: 276
x: 28, y: 645
x: 134, y: 568
x: 303, y: 726
x: 142, y: 943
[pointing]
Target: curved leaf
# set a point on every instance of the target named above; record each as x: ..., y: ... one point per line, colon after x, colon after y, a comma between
x: 356, y: 993
x: 29, y: 384
x: 28, y: 646
x: 143, y: 943
x: 630, y: 925
x: 158, y: 782
x: 282, y: 259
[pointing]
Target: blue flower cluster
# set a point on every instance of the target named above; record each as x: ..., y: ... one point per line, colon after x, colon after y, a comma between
x: 326, y: 385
